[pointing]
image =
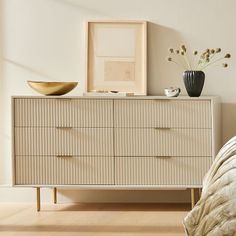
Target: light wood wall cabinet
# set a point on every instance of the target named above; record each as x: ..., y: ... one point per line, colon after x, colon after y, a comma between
x: 114, y: 143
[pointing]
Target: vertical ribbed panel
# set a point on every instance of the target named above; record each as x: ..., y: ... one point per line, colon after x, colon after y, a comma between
x: 162, y: 113
x: 36, y: 112
x: 154, y: 142
x: 161, y: 171
x: 63, y: 113
x: 83, y: 141
x: 92, y: 113
x: 51, y: 170
x: 59, y: 141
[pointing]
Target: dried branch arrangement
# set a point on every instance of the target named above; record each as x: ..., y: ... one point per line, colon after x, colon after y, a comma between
x: 201, y: 60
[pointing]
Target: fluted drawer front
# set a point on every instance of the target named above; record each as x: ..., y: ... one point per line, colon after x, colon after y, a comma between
x: 36, y: 112
x: 64, y: 141
x: 52, y: 170
x: 161, y: 171
x: 162, y: 113
x: 167, y: 142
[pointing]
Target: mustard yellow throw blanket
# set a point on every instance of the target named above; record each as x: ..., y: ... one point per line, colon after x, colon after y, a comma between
x: 215, y: 212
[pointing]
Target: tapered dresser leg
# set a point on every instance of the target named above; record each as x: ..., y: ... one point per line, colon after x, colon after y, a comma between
x: 192, y: 197
x: 38, y: 198
x: 55, y: 195
x: 199, y: 192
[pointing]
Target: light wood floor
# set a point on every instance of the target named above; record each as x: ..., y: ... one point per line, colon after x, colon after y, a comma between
x: 93, y: 219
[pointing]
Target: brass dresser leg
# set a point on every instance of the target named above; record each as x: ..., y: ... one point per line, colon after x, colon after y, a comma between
x: 55, y: 195
x: 192, y: 197
x: 38, y: 198
x: 200, y: 192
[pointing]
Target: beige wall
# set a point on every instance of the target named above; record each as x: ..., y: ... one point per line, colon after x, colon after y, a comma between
x: 44, y: 39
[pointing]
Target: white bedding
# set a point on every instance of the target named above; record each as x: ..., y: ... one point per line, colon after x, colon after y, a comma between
x: 215, y: 212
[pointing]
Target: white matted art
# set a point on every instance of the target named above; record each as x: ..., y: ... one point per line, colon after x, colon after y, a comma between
x: 117, y: 56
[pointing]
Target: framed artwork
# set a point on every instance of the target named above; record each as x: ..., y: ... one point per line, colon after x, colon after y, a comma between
x: 117, y: 56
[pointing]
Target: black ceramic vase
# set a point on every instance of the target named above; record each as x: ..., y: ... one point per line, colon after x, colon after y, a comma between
x: 194, y: 81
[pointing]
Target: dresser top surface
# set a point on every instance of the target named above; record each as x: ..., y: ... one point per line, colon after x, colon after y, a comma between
x: 123, y: 97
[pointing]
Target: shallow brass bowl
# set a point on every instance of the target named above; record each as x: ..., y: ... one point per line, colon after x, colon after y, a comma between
x: 52, y: 88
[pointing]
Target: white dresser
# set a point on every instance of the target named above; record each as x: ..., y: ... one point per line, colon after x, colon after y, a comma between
x: 114, y: 142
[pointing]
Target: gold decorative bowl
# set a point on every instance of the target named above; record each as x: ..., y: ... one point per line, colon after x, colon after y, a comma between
x: 52, y: 88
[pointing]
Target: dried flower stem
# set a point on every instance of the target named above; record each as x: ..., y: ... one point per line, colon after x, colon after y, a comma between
x: 211, y: 63
x: 180, y: 65
x: 204, y: 59
x: 195, y: 62
x: 202, y: 64
x: 206, y: 63
x: 185, y: 57
x: 183, y: 62
x: 187, y: 62
x: 199, y: 64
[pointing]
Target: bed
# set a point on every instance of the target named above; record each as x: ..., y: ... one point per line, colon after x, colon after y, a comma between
x: 215, y: 212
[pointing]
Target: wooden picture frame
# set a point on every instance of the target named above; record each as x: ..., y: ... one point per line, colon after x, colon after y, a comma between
x: 117, y: 56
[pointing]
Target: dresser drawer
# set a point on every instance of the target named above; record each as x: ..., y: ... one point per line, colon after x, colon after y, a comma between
x: 52, y: 170
x: 50, y: 112
x: 64, y: 141
x: 162, y: 113
x: 182, y: 171
x: 162, y: 142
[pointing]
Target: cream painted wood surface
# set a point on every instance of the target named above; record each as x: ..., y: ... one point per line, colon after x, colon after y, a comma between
x: 114, y: 142
x: 163, y: 113
x: 162, y: 142
x: 66, y: 170
x: 63, y: 112
x: 161, y: 170
x: 64, y: 141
